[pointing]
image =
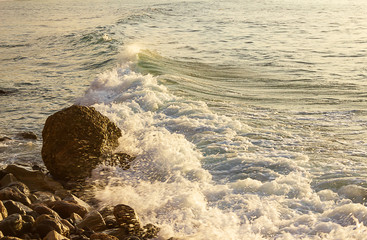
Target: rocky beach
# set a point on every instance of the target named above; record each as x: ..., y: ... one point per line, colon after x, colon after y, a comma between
x: 56, y: 201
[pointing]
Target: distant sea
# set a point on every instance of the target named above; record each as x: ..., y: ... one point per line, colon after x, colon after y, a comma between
x: 248, y: 118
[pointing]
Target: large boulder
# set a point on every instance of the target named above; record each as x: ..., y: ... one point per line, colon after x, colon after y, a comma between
x: 76, y: 140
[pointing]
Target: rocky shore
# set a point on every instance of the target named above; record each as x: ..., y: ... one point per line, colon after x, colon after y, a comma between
x: 56, y: 203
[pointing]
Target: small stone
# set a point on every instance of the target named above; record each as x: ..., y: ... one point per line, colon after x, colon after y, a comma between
x: 65, y: 208
x: 16, y: 207
x: 3, y: 211
x: 93, y: 220
x: 7, y: 179
x: 9, y: 193
x: 149, y: 231
x: 127, y: 218
x: 12, y: 225
x: 102, y: 236
x: 53, y: 235
x: 46, y: 223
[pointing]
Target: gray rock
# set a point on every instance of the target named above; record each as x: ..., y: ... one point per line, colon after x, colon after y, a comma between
x: 75, y: 139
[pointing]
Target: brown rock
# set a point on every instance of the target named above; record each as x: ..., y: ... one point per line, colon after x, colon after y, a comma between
x: 27, y: 135
x: 7, y: 179
x: 21, y: 187
x: 74, y: 199
x: 149, y: 231
x: 44, y: 197
x: 53, y: 235
x: 66, y: 208
x: 75, y: 218
x: 3, y: 211
x: 46, y: 223
x: 36, y: 180
x: 74, y: 140
x: 127, y: 218
x: 93, y: 220
x: 43, y: 209
x: 16, y: 207
x: 9, y: 193
x: 12, y: 225
x: 102, y: 236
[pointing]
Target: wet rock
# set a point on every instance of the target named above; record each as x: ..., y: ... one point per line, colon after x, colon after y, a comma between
x: 36, y: 180
x: 46, y: 223
x: 74, y: 139
x: 3, y: 211
x: 12, y: 225
x: 53, y: 235
x: 127, y: 218
x: 9, y: 193
x: 27, y: 135
x: 355, y: 193
x: 149, y: 231
x: 16, y: 207
x: 65, y: 208
x: 102, y: 236
x: 93, y: 220
x: 4, y: 139
x: 1, y: 234
x: 7, y: 179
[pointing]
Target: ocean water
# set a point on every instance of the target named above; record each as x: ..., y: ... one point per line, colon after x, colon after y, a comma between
x: 248, y: 118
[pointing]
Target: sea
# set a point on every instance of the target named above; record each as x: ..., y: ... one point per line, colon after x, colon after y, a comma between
x: 248, y: 119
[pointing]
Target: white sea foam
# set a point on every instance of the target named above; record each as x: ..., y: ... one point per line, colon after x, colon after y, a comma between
x: 169, y: 185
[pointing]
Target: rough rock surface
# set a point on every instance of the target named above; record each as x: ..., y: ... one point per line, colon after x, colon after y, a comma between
x: 74, y: 141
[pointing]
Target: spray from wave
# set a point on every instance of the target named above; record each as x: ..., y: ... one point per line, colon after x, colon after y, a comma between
x: 171, y: 182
